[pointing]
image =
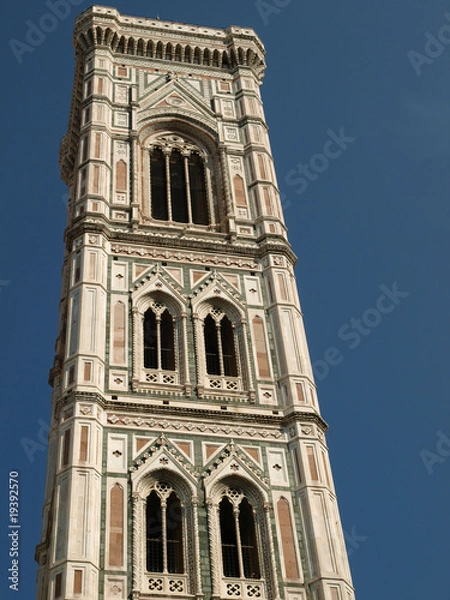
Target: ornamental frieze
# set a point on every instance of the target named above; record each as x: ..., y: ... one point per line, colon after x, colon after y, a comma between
x: 175, y: 425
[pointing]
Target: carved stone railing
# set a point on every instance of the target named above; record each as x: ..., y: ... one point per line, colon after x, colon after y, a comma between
x: 244, y: 589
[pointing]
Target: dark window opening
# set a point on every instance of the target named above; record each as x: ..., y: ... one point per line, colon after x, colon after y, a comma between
x: 198, y: 190
x: 159, y: 341
x: 186, y: 205
x: 150, y: 341
x: 167, y: 342
x: 248, y: 541
x: 238, y: 540
x: 174, y: 535
x: 220, y: 348
x: 158, y: 185
x: 178, y: 188
x: 154, y: 534
x: 230, y: 560
x: 228, y: 350
x: 164, y: 535
x: 211, y: 347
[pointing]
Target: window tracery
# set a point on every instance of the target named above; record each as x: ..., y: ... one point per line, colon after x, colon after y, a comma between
x: 178, y: 182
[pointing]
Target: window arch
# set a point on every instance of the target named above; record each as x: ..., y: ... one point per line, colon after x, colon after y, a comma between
x: 220, y: 346
x: 242, y: 544
x: 178, y: 182
x: 240, y: 556
x: 165, y: 517
x: 164, y: 530
x: 160, y: 354
x: 221, y: 340
x: 159, y: 338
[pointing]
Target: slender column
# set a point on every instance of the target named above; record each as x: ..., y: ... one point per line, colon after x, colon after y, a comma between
x: 246, y: 354
x: 187, y: 375
x: 209, y: 194
x: 214, y: 550
x: 226, y: 181
x: 188, y: 187
x: 198, y: 571
x: 200, y: 357
x: 158, y: 343
x: 273, y: 567
x: 138, y: 555
x: 147, y: 188
x: 219, y: 347
x: 164, y: 534
x: 238, y: 541
x: 135, y: 178
x: 138, y: 342
x: 169, y: 193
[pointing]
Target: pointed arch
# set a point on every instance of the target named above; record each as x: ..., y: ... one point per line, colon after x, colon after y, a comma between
x: 121, y: 45
x: 165, y: 526
x: 225, y: 60
x: 238, y: 518
x: 131, y: 46
x: 169, y: 51
x: 108, y: 36
x: 140, y: 47
x: 115, y: 42
x: 160, y: 353
x: 150, y: 49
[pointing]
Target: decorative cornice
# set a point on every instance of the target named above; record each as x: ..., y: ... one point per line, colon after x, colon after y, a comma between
x: 201, y: 413
x: 139, y: 243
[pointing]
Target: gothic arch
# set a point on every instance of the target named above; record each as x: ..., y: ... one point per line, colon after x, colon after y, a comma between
x: 236, y: 382
x: 160, y: 355
x: 197, y: 144
x: 244, y: 565
x: 164, y: 500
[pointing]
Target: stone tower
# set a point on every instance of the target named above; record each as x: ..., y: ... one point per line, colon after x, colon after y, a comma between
x: 187, y: 454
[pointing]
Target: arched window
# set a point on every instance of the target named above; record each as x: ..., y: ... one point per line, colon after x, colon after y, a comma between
x: 220, y: 345
x: 198, y: 190
x: 178, y: 184
x: 158, y: 185
x: 240, y: 557
x: 159, y: 339
x: 164, y: 531
x: 178, y: 188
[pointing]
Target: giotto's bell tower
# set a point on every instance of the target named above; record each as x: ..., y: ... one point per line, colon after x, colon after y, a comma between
x: 187, y: 454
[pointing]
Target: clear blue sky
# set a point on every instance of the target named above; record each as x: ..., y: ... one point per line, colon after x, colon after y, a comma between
x: 377, y: 214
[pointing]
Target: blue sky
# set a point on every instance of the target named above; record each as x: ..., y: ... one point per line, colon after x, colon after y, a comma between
x: 374, y: 218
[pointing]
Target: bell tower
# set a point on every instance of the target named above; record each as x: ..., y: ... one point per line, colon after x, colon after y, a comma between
x: 187, y: 453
